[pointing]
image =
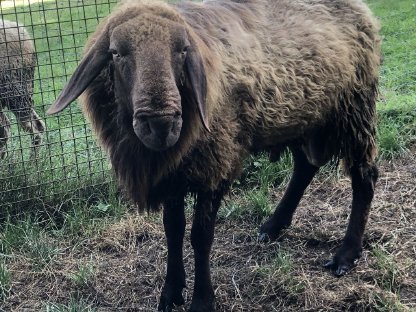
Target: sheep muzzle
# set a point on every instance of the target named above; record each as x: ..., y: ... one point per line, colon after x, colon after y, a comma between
x: 157, y: 132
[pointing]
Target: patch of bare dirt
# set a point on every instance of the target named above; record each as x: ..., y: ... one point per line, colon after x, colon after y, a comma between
x: 129, y: 258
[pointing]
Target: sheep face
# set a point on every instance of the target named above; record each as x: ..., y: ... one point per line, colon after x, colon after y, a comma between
x: 148, y: 71
x: 154, y: 67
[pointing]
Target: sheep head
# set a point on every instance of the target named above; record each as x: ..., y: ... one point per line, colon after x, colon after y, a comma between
x: 155, y: 66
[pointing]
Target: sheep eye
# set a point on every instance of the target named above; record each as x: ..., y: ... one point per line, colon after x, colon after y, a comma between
x: 114, y: 52
x: 184, y: 50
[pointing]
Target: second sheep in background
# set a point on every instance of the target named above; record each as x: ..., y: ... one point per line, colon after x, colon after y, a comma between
x: 17, y: 70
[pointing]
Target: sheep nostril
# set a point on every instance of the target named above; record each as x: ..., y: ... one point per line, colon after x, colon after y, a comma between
x: 145, y: 126
x: 141, y: 122
x: 160, y: 126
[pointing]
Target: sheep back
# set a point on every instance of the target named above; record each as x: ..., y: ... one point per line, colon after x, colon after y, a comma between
x: 17, y: 66
x: 293, y: 67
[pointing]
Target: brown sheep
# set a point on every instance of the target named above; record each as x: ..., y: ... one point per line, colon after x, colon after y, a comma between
x: 17, y: 70
x: 180, y: 95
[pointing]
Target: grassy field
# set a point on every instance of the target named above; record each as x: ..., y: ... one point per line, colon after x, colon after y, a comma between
x: 68, y: 243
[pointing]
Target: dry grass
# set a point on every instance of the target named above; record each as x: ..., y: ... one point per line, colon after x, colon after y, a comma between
x: 127, y: 259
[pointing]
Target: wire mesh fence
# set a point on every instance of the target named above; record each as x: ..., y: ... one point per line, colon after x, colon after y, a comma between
x: 44, y: 158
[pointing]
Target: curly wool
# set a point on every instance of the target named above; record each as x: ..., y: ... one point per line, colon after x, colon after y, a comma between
x: 300, y: 73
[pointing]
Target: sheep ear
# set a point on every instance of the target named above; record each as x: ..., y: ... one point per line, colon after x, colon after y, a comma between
x: 88, y: 69
x: 196, y: 73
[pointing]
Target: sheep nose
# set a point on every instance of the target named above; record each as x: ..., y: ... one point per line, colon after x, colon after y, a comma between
x: 158, y: 132
x: 161, y: 126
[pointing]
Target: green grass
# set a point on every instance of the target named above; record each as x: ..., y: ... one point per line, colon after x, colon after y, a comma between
x: 5, y: 281
x: 397, y: 106
x: 261, y: 172
x: 84, y: 275
x: 281, y: 273
x: 397, y: 126
x: 251, y: 193
x: 30, y: 238
x: 389, y: 276
x: 388, y: 304
x: 84, y: 219
x: 34, y: 233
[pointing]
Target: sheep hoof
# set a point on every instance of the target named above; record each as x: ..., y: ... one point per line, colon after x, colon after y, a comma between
x: 169, y: 298
x: 263, y: 238
x: 344, y: 260
x: 337, y: 269
x: 271, y: 230
x: 202, y: 306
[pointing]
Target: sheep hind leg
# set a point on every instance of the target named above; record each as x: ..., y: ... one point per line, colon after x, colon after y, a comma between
x: 4, y: 133
x: 202, y: 236
x: 174, y: 224
x: 363, y: 178
x: 302, y: 176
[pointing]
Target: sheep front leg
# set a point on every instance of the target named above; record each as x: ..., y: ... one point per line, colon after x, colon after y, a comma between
x: 202, y: 236
x: 174, y: 224
x: 302, y: 176
x: 34, y: 125
x: 363, y: 178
